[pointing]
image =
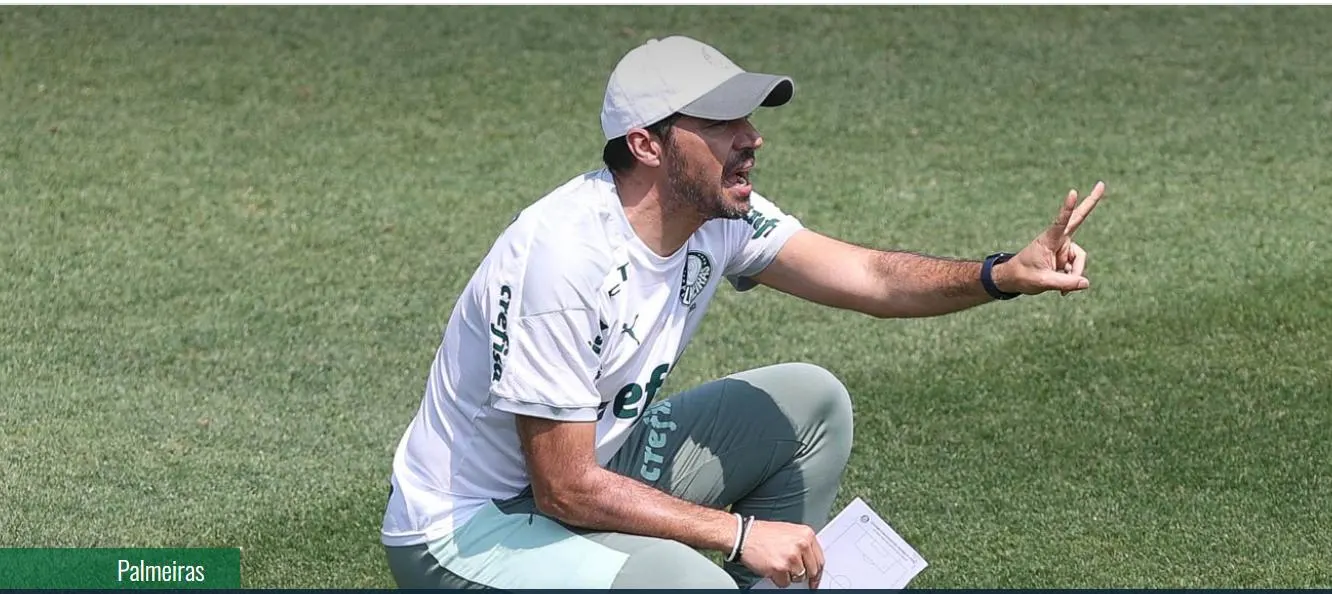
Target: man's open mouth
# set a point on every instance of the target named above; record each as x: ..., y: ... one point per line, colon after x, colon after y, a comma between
x: 739, y: 179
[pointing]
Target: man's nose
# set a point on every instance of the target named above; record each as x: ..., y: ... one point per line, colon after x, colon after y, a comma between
x: 749, y: 137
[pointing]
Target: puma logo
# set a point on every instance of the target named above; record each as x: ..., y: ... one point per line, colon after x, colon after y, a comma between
x: 629, y: 329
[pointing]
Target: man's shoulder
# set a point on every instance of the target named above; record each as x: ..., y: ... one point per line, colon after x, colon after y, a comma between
x: 577, y: 208
x: 585, y: 192
x: 562, y: 243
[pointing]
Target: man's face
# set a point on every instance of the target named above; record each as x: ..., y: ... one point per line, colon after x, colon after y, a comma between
x: 708, y: 164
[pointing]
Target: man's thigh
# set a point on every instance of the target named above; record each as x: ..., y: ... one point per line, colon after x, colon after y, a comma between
x: 416, y: 568
x: 782, y: 431
x: 771, y: 442
x: 511, y: 546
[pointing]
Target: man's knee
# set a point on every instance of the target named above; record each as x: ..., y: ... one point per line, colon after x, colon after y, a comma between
x: 822, y: 394
x: 819, y: 406
x: 667, y: 564
x: 829, y: 391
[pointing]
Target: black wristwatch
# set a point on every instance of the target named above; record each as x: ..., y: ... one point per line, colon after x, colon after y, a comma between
x: 987, y: 275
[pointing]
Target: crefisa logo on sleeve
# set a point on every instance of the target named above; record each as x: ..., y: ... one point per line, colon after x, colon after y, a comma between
x: 499, y: 331
x: 697, y: 273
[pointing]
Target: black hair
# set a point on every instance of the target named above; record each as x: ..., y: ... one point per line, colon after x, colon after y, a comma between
x: 616, y: 153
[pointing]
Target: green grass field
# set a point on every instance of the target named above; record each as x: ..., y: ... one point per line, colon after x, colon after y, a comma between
x: 232, y: 236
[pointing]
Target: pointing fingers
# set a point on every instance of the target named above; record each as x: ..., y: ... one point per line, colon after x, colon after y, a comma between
x: 1080, y: 213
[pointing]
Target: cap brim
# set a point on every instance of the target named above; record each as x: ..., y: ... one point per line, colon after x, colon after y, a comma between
x: 740, y: 95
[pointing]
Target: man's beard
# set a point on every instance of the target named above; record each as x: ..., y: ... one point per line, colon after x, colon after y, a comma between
x: 698, y: 194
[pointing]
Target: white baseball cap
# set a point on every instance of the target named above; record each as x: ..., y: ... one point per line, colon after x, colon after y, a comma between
x: 684, y: 75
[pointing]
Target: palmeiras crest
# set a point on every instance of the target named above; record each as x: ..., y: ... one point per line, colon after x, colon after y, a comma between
x: 697, y: 273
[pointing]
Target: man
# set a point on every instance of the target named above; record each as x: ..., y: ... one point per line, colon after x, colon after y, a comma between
x: 544, y: 454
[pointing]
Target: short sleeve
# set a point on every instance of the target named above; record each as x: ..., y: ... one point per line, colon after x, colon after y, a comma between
x: 549, y: 368
x: 756, y: 240
x: 541, y: 339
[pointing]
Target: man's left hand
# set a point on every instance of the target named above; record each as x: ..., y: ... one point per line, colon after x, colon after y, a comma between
x: 1052, y: 262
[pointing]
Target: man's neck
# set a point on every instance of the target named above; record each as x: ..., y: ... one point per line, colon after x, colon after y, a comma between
x: 661, y: 224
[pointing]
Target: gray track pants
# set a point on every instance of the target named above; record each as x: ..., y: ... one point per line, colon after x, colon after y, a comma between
x: 769, y: 442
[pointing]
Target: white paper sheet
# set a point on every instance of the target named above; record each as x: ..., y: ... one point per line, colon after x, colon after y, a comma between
x: 861, y: 551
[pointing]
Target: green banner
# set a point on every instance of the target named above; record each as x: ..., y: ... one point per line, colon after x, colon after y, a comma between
x: 106, y: 569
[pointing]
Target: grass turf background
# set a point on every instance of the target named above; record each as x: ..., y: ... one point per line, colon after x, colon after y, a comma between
x: 232, y: 236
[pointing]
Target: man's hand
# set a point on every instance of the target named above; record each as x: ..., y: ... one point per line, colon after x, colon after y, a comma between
x: 784, y: 553
x: 1052, y: 262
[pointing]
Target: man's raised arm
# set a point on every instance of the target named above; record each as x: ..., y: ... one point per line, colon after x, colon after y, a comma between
x: 890, y: 284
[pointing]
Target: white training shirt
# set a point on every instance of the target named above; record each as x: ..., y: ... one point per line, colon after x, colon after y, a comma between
x: 570, y: 316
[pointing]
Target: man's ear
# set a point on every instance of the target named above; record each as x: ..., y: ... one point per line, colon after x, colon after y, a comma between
x: 646, y: 147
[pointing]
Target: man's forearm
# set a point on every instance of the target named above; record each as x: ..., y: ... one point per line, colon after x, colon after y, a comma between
x: 916, y: 285
x: 604, y: 500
